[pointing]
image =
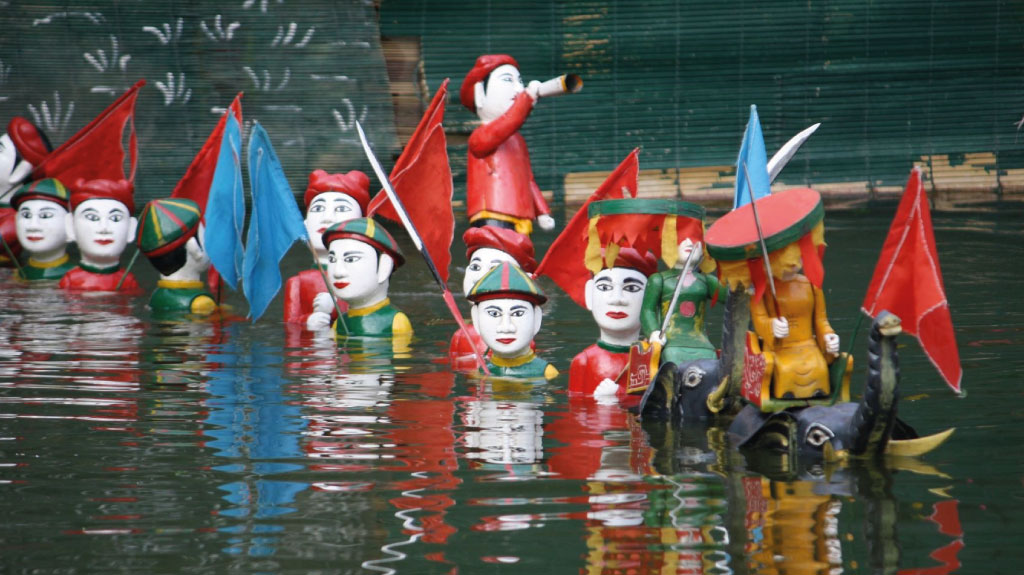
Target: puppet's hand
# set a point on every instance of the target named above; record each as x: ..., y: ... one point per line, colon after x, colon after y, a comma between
x: 780, y: 327
x: 657, y: 337
x: 546, y: 222
x: 533, y: 89
x: 831, y: 343
x: 318, y: 321
x: 323, y: 303
x: 607, y: 392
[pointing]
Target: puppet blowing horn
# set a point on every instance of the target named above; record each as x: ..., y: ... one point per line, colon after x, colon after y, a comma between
x: 564, y: 84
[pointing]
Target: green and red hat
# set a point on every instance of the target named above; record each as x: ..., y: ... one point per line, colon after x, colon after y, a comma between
x: 46, y: 189
x: 644, y: 224
x: 507, y: 281
x: 368, y: 231
x: 355, y: 184
x: 102, y: 189
x: 166, y: 224
x: 484, y: 65
x: 505, y: 240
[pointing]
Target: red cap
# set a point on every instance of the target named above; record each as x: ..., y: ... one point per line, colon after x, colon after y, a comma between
x: 646, y: 263
x: 509, y: 241
x: 484, y: 65
x: 120, y: 190
x: 355, y: 184
x: 29, y: 140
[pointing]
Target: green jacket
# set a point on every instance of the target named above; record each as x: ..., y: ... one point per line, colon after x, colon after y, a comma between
x: 33, y: 271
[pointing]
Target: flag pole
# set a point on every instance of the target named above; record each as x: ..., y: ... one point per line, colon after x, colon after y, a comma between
x: 323, y: 274
x: 131, y: 263
x: 10, y: 254
x: 418, y: 242
x: 760, y: 238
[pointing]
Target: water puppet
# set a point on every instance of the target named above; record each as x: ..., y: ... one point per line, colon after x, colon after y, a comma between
x: 792, y: 338
x: 486, y: 247
x: 42, y: 207
x: 22, y: 147
x: 102, y: 224
x: 500, y: 189
x: 506, y: 312
x: 329, y: 199
x: 171, y: 236
x: 362, y: 255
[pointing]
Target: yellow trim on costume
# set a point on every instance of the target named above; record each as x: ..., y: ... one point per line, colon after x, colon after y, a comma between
x: 592, y: 255
x: 550, y: 372
x: 669, y: 241
x: 610, y: 254
x: 46, y: 265
x: 371, y: 229
x: 204, y: 305
x: 401, y: 325
x: 524, y: 227
x: 515, y: 361
x: 357, y: 312
x: 180, y: 284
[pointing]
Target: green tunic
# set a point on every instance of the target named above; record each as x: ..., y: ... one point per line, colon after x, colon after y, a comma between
x: 686, y: 339
x: 528, y: 367
x: 33, y: 271
x: 379, y: 320
x: 177, y: 298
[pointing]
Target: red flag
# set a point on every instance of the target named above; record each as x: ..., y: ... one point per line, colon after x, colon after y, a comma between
x: 422, y: 179
x: 195, y: 184
x: 908, y: 282
x: 97, y: 150
x: 564, y: 261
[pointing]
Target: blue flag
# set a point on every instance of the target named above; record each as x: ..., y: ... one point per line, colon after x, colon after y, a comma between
x: 276, y: 223
x: 756, y: 159
x: 225, y: 209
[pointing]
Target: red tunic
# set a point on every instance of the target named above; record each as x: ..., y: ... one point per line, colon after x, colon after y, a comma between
x: 499, y: 178
x: 299, y: 292
x: 460, y: 351
x: 592, y: 365
x: 79, y: 279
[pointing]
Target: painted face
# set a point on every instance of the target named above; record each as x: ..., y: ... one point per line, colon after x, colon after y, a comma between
x: 352, y: 266
x: 615, y: 301
x: 683, y: 252
x: 507, y: 325
x: 103, y: 228
x: 503, y: 85
x: 8, y: 156
x: 41, y: 228
x: 480, y: 262
x: 327, y: 209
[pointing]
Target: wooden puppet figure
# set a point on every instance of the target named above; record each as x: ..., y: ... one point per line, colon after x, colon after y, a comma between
x: 42, y: 206
x: 506, y: 311
x: 685, y: 338
x: 22, y: 148
x: 330, y: 199
x: 486, y: 247
x: 171, y: 236
x: 796, y: 328
x: 500, y: 189
x: 614, y: 297
x: 102, y: 225
x: 361, y: 257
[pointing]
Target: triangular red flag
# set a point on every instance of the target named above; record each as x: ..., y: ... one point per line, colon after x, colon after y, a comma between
x: 97, y: 150
x: 564, y: 260
x: 908, y: 282
x: 422, y: 179
x: 195, y: 184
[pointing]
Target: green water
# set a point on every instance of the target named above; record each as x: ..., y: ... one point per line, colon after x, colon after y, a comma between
x: 134, y: 444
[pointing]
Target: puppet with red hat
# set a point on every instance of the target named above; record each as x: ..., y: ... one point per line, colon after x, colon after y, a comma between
x: 22, y: 147
x: 329, y: 199
x: 486, y: 247
x: 102, y: 225
x: 500, y: 189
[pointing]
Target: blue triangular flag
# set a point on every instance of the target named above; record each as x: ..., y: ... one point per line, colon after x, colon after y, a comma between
x: 276, y: 223
x: 225, y: 209
x: 753, y: 155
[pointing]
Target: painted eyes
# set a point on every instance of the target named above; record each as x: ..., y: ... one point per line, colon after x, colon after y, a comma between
x: 317, y: 208
x: 517, y: 313
x: 351, y: 259
x: 693, y: 376
x: 604, y: 286
x: 342, y: 209
x: 116, y: 217
x: 45, y: 215
x: 25, y: 214
x: 492, y: 312
x: 818, y: 434
x: 474, y: 267
x: 633, y: 288
x: 331, y: 258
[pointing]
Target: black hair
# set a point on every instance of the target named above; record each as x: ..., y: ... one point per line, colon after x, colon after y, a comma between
x: 171, y: 261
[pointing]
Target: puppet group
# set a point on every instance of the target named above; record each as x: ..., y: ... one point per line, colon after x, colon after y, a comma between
x: 779, y: 372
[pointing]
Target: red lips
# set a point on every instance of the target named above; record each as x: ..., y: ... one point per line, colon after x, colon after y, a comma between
x: 321, y: 230
x: 104, y: 242
x: 34, y: 238
x: 341, y: 285
x: 506, y: 340
x: 617, y: 314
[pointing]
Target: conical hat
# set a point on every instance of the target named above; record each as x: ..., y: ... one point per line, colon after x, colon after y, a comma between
x: 506, y: 280
x: 167, y: 224
x: 365, y: 230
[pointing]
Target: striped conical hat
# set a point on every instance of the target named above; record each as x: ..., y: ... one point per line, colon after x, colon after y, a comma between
x: 46, y: 189
x: 365, y: 230
x: 167, y: 224
x: 506, y: 281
